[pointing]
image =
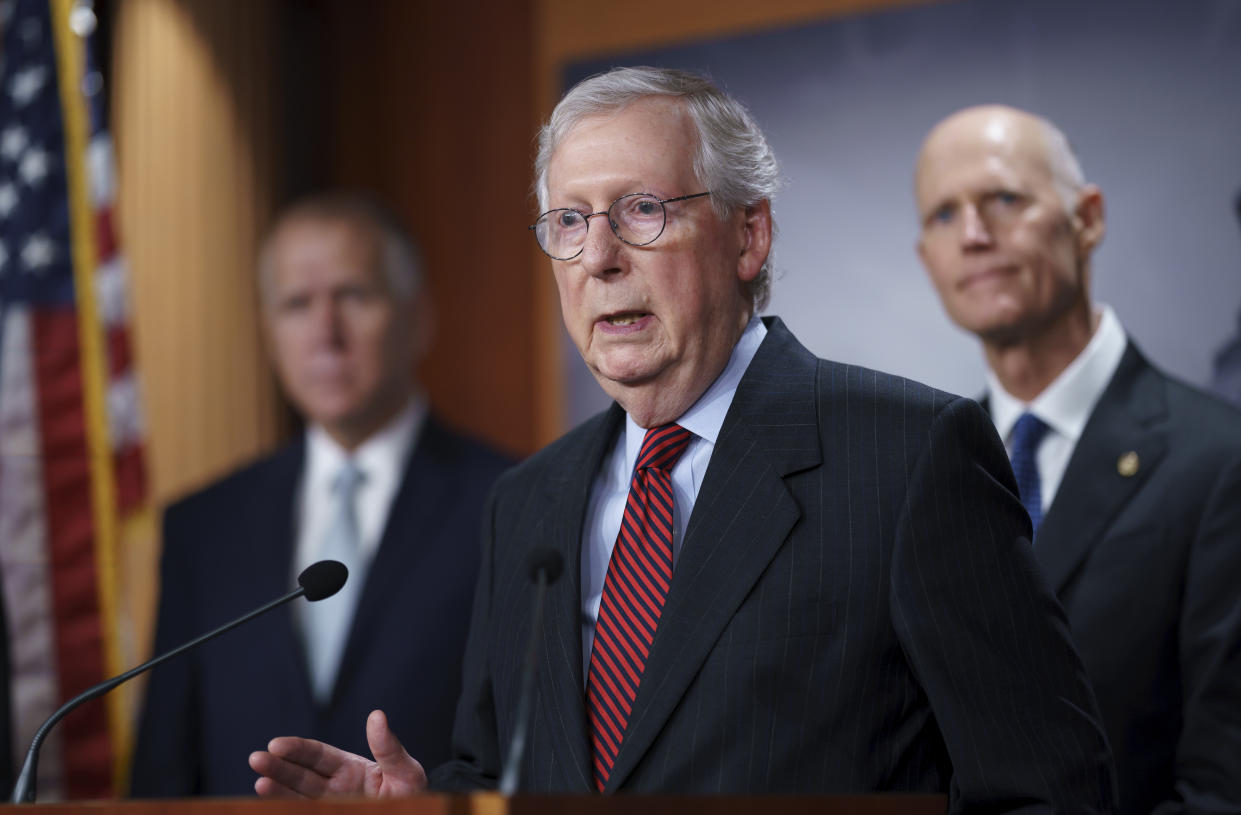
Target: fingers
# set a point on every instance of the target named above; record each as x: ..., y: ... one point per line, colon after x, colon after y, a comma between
x: 293, y: 767
x: 385, y: 746
x: 399, y: 774
x: 267, y: 788
x: 323, y: 759
x: 297, y: 767
x: 281, y: 779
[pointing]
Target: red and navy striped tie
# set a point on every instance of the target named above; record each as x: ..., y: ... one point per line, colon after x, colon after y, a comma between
x: 639, y: 574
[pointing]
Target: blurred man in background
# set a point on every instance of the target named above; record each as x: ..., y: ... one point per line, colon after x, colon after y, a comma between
x: 1132, y: 479
x: 376, y: 482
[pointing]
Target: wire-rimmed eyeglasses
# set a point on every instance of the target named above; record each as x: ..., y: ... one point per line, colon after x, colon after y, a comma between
x: 637, y: 219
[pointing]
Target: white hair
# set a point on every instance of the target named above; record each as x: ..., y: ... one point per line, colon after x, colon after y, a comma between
x: 732, y: 159
x: 400, y: 258
x: 1066, y: 170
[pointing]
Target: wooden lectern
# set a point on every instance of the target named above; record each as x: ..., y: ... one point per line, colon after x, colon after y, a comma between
x: 495, y: 804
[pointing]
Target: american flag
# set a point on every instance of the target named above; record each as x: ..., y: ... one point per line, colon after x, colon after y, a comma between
x: 70, y: 426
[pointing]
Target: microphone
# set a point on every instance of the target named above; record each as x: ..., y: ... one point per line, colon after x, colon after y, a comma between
x: 544, y: 565
x: 317, y: 581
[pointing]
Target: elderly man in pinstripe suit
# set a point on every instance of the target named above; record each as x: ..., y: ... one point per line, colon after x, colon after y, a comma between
x: 784, y: 575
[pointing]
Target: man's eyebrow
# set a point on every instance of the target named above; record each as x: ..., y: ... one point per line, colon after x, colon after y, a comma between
x: 579, y: 206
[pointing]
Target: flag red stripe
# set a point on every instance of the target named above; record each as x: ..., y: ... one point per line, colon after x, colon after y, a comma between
x: 130, y: 477
x: 105, y: 234
x: 70, y: 527
x: 120, y: 351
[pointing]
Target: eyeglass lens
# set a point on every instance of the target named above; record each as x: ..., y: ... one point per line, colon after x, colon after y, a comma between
x: 637, y: 219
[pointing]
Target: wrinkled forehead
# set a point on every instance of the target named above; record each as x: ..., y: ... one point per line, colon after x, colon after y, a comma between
x: 650, y: 139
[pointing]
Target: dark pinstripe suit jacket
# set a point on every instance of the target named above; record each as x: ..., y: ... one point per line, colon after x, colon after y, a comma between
x: 852, y: 610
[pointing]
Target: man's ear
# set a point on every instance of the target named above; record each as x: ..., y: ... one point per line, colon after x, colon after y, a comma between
x: 756, y: 243
x: 1088, y: 219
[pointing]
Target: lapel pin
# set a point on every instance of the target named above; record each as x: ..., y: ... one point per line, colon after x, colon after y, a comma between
x: 1127, y: 464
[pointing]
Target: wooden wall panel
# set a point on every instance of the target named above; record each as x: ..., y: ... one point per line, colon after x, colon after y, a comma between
x: 430, y: 105
x: 569, y: 33
x: 193, y: 127
x: 192, y: 122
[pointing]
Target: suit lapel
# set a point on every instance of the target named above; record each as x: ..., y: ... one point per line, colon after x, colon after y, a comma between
x: 742, y: 515
x: 412, y: 519
x: 271, y: 552
x: 562, y: 697
x: 1127, y: 419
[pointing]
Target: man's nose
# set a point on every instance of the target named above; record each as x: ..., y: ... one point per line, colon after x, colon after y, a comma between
x: 601, y: 253
x: 974, y: 231
x: 326, y: 321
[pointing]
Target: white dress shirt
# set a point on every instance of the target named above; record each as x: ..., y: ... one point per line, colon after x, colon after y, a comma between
x: 381, y: 458
x: 1064, y: 405
x: 611, y: 488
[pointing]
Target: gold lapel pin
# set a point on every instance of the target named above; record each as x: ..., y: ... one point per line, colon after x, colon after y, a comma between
x: 1127, y: 464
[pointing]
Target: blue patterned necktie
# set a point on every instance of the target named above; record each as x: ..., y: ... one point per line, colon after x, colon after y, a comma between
x: 328, y: 621
x: 1028, y: 434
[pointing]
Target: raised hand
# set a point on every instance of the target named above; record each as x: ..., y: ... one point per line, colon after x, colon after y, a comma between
x: 294, y: 767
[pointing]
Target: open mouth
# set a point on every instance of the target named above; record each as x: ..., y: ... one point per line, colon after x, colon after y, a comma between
x: 628, y: 318
x: 624, y: 323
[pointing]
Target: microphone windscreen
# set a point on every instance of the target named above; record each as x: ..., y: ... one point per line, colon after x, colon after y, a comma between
x: 323, y: 579
x: 546, y: 559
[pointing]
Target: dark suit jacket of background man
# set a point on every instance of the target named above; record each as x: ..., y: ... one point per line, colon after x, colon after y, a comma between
x: 1148, y: 567
x: 230, y: 547
x: 852, y: 605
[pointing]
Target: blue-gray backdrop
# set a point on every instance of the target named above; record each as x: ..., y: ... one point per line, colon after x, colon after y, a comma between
x: 1149, y: 92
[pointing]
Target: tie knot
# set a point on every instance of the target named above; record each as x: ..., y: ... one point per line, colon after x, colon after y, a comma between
x: 1028, y: 433
x: 663, y: 446
x: 347, y: 479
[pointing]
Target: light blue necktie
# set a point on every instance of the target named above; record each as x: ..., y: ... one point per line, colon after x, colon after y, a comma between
x: 1028, y: 434
x: 328, y: 621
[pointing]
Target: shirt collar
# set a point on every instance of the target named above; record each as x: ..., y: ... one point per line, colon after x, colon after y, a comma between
x: 706, y: 416
x: 1066, y: 403
x: 381, y: 457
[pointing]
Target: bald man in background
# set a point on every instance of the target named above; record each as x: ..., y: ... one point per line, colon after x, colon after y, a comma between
x: 1132, y: 479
